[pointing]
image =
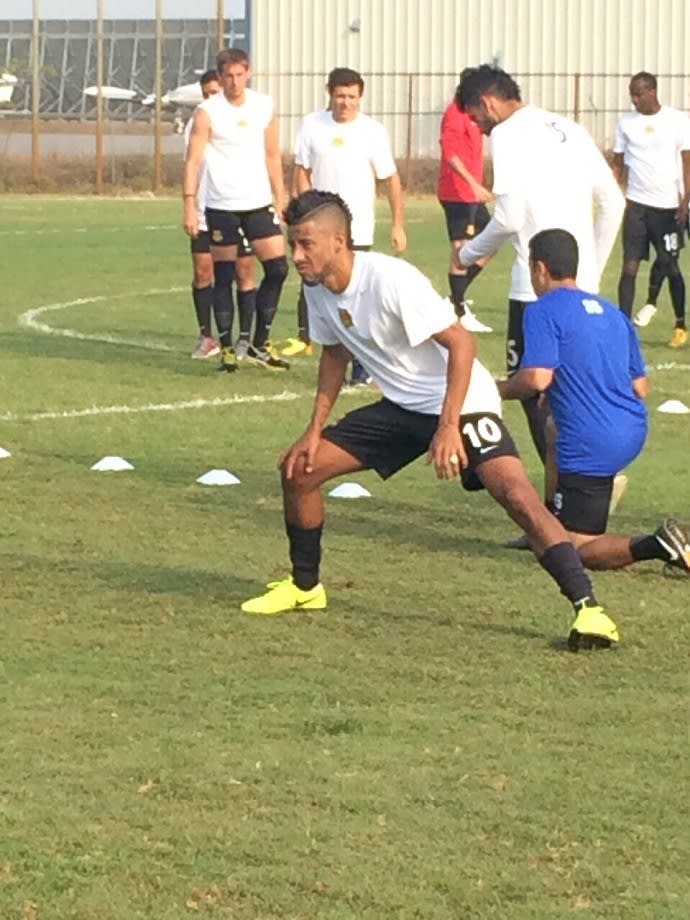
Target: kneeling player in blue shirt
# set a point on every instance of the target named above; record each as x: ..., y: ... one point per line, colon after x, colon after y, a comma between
x: 584, y: 353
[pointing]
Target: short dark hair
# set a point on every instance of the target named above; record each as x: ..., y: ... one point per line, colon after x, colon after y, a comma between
x: 558, y: 250
x: 308, y: 204
x: 344, y: 76
x: 645, y: 77
x: 231, y: 56
x: 207, y: 77
x: 476, y: 82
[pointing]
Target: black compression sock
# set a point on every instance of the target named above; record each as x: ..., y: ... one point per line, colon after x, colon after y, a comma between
x: 203, y: 302
x: 563, y: 564
x: 305, y: 554
x: 647, y: 547
x: 246, y: 307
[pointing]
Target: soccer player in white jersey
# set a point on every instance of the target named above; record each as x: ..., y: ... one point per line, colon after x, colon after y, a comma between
x: 202, y: 263
x: 436, y: 398
x: 548, y: 173
x: 652, y: 145
x: 340, y: 149
x: 235, y: 137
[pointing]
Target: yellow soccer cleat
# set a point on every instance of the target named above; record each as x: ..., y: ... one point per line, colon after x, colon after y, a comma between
x: 592, y: 629
x: 285, y: 595
x: 296, y: 347
x: 228, y: 360
x: 679, y: 338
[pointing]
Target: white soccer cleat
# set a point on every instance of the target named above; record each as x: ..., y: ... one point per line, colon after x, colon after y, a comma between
x: 645, y: 315
x: 470, y: 322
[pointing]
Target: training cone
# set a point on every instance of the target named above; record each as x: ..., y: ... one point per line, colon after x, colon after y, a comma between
x: 349, y: 490
x: 4, y: 453
x: 674, y: 407
x: 112, y: 465
x: 218, y: 478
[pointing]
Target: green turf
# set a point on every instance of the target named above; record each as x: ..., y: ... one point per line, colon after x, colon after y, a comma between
x: 426, y: 749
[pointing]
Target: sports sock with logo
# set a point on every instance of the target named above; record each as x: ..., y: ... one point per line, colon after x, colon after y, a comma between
x: 305, y: 554
x: 563, y: 564
x: 203, y: 302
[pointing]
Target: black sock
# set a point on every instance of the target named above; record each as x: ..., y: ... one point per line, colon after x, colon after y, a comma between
x: 563, y: 564
x: 267, y: 297
x: 203, y: 302
x: 626, y: 293
x: 458, y: 286
x: 246, y: 307
x: 305, y: 554
x: 647, y: 547
x: 223, y: 305
x: 303, y: 317
x: 676, y: 285
x: 656, y: 279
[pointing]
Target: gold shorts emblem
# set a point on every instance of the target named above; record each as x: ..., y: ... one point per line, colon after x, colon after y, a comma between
x: 471, y: 229
x: 217, y: 236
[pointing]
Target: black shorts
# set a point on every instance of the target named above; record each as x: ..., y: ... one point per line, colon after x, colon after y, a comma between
x: 227, y: 228
x: 200, y: 243
x: 464, y: 219
x: 385, y: 437
x: 643, y: 225
x: 581, y: 503
x: 515, y: 340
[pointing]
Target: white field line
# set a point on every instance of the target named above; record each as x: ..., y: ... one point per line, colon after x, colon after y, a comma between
x: 285, y: 396
x: 30, y: 319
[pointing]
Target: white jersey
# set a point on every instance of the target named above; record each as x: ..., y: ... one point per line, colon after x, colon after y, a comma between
x: 548, y: 173
x: 651, y: 146
x: 386, y: 318
x: 236, y: 152
x: 347, y: 157
x: 201, y: 187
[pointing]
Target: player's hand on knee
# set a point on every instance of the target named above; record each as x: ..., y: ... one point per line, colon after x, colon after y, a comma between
x: 300, y: 457
x: 446, y: 452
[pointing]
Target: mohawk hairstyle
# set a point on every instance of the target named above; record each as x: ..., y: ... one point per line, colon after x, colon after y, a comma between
x: 310, y: 203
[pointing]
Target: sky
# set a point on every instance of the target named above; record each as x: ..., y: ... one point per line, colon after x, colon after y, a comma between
x: 121, y: 9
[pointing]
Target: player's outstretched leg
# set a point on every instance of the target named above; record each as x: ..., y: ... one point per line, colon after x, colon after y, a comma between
x: 506, y: 481
x: 304, y: 516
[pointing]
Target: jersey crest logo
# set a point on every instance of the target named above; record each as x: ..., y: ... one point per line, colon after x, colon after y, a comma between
x: 649, y: 129
x: 338, y: 141
x: 592, y: 306
x: 217, y: 236
x: 345, y: 318
x: 242, y: 122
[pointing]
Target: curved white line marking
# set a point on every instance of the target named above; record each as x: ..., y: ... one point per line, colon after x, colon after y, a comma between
x: 30, y: 320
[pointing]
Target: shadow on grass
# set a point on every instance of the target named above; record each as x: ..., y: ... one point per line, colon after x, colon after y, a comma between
x: 129, y: 576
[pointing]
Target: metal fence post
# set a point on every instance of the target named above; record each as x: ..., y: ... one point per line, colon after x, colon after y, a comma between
x: 35, y: 90
x: 99, y: 99
x: 408, y: 147
x: 158, y: 88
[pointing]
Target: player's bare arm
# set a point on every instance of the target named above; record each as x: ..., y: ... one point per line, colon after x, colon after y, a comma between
x: 301, y: 180
x: 395, y: 201
x: 201, y: 132
x: 640, y: 387
x: 685, y: 200
x: 446, y: 451
x: 274, y: 164
x: 528, y: 381
x: 619, y: 170
x: 332, y: 367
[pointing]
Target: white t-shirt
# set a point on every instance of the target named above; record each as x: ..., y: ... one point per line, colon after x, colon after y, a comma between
x: 347, y: 157
x: 236, y: 152
x: 386, y: 317
x: 651, y: 146
x: 549, y: 173
x: 201, y: 188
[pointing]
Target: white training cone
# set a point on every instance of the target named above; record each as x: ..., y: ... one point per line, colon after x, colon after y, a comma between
x: 112, y: 465
x: 674, y: 407
x: 349, y: 490
x: 4, y: 453
x: 218, y: 478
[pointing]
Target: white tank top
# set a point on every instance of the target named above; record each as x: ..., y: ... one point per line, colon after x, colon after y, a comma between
x: 237, y: 178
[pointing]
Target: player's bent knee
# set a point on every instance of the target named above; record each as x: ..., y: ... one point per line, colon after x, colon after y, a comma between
x: 276, y: 270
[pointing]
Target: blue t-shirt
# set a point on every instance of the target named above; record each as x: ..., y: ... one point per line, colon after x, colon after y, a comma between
x: 594, y: 351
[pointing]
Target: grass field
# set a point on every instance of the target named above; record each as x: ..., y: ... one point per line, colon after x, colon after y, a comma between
x: 426, y: 749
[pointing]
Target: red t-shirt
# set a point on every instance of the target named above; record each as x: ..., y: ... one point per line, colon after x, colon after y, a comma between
x: 460, y: 137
